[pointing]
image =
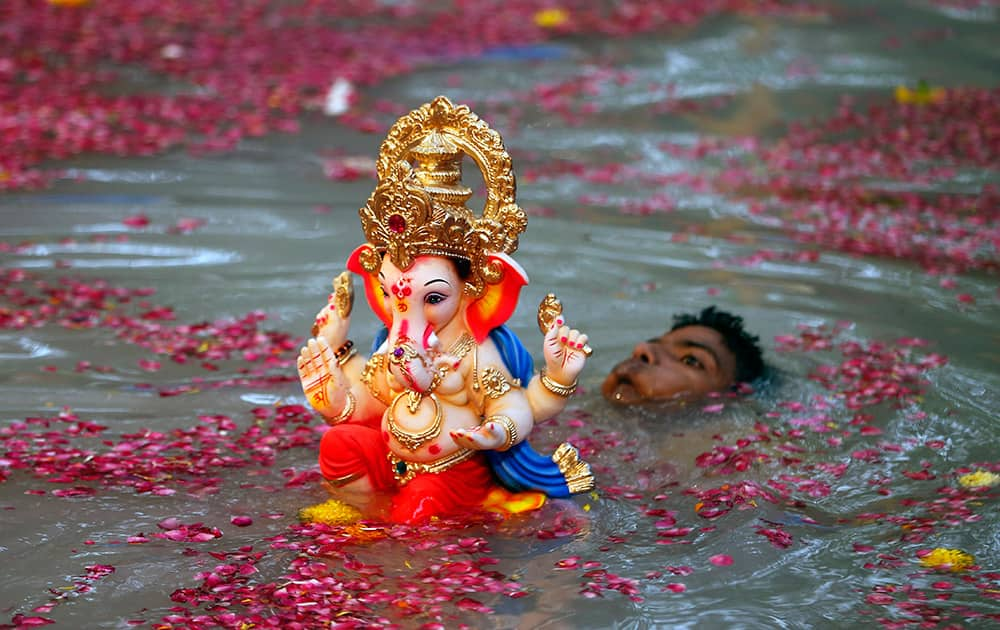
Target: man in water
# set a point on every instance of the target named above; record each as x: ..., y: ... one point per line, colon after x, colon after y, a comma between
x: 700, y: 354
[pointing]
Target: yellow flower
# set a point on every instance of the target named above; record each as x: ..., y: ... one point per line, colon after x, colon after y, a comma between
x: 979, y: 479
x: 551, y: 18
x: 922, y: 95
x: 331, y: 512
x: 953, y: 560
x: 502, y: 501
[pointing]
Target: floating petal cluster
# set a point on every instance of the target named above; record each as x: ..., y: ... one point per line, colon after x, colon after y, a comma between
x: 954, y: 560
x: 330, y: 512
x: 979, y: 479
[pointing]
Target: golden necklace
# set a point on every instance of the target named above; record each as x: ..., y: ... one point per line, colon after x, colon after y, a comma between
x: 414, y: 440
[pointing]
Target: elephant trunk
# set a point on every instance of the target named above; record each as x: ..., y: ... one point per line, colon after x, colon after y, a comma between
x: 410, y: 341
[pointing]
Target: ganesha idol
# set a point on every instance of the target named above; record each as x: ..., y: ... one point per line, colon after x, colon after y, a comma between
x: 437, y: 418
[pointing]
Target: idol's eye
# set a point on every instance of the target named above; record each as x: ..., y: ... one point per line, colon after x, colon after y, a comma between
x: 435, y: 298
x: 692, y: 361
x: 384, y: 292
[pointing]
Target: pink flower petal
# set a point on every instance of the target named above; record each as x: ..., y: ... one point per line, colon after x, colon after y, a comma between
x: 721, y: 560
x: 136, y: 221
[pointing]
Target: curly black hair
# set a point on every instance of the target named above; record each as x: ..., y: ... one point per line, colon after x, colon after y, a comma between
x: 743, y: 345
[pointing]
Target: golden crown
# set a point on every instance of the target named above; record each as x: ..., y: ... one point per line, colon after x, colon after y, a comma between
x: 421, y: 211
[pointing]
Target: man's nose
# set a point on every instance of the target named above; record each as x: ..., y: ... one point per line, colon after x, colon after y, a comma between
x: 645, y: 353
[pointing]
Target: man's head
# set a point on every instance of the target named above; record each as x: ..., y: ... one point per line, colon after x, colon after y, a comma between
x: 700, y: 354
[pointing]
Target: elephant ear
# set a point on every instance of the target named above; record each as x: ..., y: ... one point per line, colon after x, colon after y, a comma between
x: 373, y: 292
x: 498, y: 301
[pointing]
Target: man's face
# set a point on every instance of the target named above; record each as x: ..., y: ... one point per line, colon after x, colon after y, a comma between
x: 684, y: 364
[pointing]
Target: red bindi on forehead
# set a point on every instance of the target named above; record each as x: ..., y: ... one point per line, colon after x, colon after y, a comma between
x: 401, y: 288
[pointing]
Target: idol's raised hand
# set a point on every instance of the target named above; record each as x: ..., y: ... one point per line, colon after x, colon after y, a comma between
x: 565, y: 348
x: 565, y: 352
x: 325, y: 386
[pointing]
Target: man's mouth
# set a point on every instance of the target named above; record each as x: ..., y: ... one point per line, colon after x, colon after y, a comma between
x: 622, y: 390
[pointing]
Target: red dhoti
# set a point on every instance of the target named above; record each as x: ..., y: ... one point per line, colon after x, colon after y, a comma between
x: 351, y: 451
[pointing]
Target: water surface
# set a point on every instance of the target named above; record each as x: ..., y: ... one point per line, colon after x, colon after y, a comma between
x: 276, y: 230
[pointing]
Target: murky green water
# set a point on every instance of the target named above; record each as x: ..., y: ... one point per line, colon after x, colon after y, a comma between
x: 266, y: 247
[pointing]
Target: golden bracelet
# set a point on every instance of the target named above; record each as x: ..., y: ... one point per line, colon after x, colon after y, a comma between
x: 344, y: 348
x: 557, y: 388
x: 344, y: 353
x: 511, y: 427
x: 341, y: 360
x: 348, y: 411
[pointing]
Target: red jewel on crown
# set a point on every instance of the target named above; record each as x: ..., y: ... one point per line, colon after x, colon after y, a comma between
x: 397, y: 223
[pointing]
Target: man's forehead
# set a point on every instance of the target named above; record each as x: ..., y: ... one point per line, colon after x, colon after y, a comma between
x: 701, y: 334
